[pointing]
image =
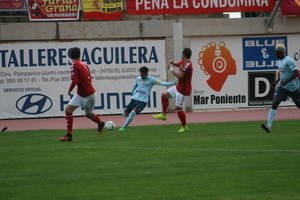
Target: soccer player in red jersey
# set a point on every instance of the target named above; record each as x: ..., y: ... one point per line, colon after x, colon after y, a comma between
x: 85, y: 96
x: 180, y: 91
x: 4, y: 129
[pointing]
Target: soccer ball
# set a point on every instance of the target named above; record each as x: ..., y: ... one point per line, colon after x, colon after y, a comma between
x: 110, y: 125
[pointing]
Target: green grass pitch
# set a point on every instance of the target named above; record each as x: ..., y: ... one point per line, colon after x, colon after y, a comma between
x: 214, y: 161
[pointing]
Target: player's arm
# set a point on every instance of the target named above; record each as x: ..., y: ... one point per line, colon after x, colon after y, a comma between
x: 293, y: 68
x: 134, y: 87
x: 74, y: 78
x: 172, y: 62
x: 177, y: 74
x: 165, y: 83
x: 295, y: 75
x: 273, y: 84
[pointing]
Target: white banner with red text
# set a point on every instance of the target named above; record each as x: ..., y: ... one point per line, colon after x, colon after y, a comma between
x: 158, y: 7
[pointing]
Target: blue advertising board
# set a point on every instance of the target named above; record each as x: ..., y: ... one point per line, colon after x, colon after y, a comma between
x: 259, y: 52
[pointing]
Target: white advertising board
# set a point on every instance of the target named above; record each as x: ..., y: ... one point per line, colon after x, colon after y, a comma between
x: 237, y: 71
x: 35, y: 76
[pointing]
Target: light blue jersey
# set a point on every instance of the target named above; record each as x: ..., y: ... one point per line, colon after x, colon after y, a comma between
x: 142, y: 88
x: 286, y: 68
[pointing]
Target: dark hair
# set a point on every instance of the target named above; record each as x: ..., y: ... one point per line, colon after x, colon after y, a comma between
x: 187, y: 52
x: 144, y: 69
x: 74, y: 53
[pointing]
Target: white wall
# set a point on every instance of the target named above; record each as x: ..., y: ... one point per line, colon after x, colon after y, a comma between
x: 146, y: 29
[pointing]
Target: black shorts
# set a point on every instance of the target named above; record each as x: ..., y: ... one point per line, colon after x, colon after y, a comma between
x: 283, y: 94
x: 138, y: 106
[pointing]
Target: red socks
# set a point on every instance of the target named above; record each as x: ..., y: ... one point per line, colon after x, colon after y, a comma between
x: 95, y: 118
x: 181, y: 115
x: 165, y: 103
x: 69, y: 119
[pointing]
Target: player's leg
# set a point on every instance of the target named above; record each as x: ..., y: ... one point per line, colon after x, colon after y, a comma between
x: 296, y: 97
x: 281, y: 94
x: 129, y: 108
x: 165, y: 102
x: 4, y: 129
x: 179, y: 105
x: 138, y: 107
x: 171, y: 92
x: 71, y: 107
x: 69, y: 117
x: 128, y: 120
x: 126, y: 113
x: 89, y: 105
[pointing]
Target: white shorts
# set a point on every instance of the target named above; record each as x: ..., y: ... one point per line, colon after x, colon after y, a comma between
x: 179, y: 98
x: 87, y: 103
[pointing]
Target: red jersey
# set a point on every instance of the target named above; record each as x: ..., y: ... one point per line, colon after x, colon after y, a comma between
x: 81, y: 77
x: 184, y: 85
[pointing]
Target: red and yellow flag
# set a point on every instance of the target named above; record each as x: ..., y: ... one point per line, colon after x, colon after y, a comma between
x: 12, y: 4
x: 102, y: 9
x: 290, y: 7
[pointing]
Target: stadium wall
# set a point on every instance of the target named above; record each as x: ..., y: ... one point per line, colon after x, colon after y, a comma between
x: 79, y: 30
x: 147, y: 29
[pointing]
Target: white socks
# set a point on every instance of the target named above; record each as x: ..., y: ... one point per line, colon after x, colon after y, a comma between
x: 271, y: 116
x: 129, y: 119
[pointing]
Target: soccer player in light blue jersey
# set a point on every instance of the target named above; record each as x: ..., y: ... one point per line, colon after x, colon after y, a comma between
x: 140, y: 95
x: 288, y: 85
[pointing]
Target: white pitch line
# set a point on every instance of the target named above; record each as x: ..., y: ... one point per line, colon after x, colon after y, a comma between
x: 192, y: 149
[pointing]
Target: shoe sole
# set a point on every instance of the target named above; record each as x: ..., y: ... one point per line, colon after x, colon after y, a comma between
x: 265, y: 128
x: 101, y: 128
x: 62, y: 140
x: 159, y: 118
x: 4, y: 129
x: 185, y: 131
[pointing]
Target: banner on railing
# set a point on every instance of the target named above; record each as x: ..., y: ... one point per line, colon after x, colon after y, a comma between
x: 290, y: 7
x: 12, y: 4
x: 42, y: 10
x: 102, y: 10
x: 147, y: 7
